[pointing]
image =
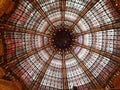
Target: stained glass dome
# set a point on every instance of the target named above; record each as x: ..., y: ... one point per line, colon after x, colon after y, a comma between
x: 59, y: 44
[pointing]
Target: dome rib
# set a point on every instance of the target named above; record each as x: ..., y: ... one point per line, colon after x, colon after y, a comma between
x: 12, y: 28
x: 65, y: 81
x: 63, y: 8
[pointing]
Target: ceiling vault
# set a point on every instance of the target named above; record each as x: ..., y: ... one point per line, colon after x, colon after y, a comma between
x: 61, y: 44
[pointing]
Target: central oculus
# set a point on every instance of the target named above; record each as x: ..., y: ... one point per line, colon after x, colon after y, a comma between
x: 62, y: 39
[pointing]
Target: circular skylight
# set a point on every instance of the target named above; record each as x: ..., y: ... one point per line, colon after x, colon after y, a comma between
x: 58, y: 44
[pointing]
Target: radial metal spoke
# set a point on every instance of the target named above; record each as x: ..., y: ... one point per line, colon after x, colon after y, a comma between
x: 64, y: 72
x: 100, y: 52
x: 82, y: 13
x: 41, y: 75
x: 14, y: 28
x: 86, y: 70
x: 36, y: 5
x: 115, y: 25
x: 62, y: 7
x: 22, y: 57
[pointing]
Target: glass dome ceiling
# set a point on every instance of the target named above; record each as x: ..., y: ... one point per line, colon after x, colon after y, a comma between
x: 93, y: 30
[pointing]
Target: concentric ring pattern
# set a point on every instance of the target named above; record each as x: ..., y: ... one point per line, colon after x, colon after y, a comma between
x: 91, y: 60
